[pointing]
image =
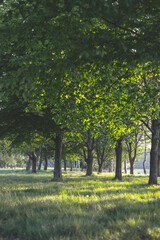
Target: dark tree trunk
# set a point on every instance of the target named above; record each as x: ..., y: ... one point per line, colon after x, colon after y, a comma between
x: 118, y: 150
x: 45, y: 159
x: 131, y: 167
x: 58, y: 157
x: 29, y: 164
x: 134, y: 150
x: 159, y: 159
x: 71, y: 168
x: 100, y: 166
x: 32, y: 155
x: 89, y: 163
x: 34, y: 161
x: 65, y: 165
x: 154, y: 152
x: 110, y: 165
x: 101, y: 156
x: 89, y: 157
x: 40, y: 157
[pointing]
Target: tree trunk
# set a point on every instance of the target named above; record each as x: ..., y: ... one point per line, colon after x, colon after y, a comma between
x: 40, y: 157
x: 65, y: 165
x: 110, y: 165
x: 71, y: 168
x: 100, y: 166
x: 34, y: 161
x: 45, y: 159
x: 58, y: 156
x: 145, y: 157
x: 89, y: 168
x: 131, y: 167
x: 125, y: 167
x: 154, y: 152
x: 158, y: 159
x: 118, y: 150
x: 32, y: 155
x: 29, y: 164
x: 101, y: 156
x: 89, y: 163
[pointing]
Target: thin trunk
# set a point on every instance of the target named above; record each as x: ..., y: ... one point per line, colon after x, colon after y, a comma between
x: 110, y: 165
x: 81, y: 165
x: 89, y: 159
x: 145, y: 157
x: 34, y: 161
x: 159, y: 160
x: 65, y: 165
x: 40, y: 157
x: 58, y: 156
x: 125, y: 167
x: 71, y: 168
x: 45, y: 159
x: 118, y: 174
x: 101, y: 158
x: 34, y: 170
x: 132, y: 159
x: 89, y: 163
x: 29, y: 164
x: 154, y: 152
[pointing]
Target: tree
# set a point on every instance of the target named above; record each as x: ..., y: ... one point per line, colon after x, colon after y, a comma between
x: 132, y: 148
x: 103, y: 148
x: 49, y: 66
x: 118, y: 149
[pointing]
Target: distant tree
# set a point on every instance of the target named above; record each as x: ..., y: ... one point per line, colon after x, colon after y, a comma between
x: 132, y: 147
x: 104, y: 150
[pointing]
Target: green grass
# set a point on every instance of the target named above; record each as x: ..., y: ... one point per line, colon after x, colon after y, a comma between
x: 32, y: 207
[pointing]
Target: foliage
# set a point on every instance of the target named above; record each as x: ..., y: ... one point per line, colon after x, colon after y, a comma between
x: 9, y: 156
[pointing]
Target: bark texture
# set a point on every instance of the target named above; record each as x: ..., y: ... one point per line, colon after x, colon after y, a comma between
x: 118, y: 150
x: 154, y: 151
x: 29, y: 164
x: 32, y: 155
x: 65, y: 165
x: 71, y: 168
x: 110, y: 165
x: 58, y: 157
x: 40, y: 157
x: 89, y: 169
x: 101, y: 156
x: 100, y: 167
x: 88, y: 155
x: 159, y: 159
x: 132, y: 152
x: 45, y: 159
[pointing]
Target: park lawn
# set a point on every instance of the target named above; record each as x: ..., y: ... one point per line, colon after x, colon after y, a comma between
x: 33, y: 207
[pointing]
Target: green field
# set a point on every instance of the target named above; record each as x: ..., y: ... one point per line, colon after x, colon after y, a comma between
x: 32, y: 207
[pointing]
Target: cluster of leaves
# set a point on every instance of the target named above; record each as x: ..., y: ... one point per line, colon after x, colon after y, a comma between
x: 73, y: 66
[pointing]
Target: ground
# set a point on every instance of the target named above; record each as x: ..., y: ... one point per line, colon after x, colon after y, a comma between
x: 32, y: 207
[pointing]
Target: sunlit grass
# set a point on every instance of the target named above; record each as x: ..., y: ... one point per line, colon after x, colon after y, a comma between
x: 98, y: 207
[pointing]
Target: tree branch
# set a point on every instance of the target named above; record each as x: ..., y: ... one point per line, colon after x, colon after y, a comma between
x: 150, y: 129
x: 118, y: 26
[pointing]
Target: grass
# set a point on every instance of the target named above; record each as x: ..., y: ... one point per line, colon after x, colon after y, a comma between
x: 32, y: 207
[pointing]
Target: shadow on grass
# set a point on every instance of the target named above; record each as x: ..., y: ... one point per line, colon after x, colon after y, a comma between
x: 78, y: 208
x: 111, y: 219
